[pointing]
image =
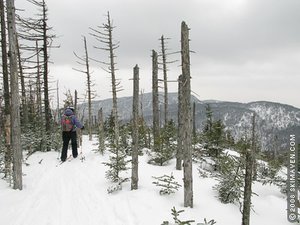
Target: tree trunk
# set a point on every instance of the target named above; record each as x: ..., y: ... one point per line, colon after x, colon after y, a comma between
x: 45, y: 63
x: 101, y: 131
x: 194, y: 121
x: 155, y: 103
x: 4, y: 59
x: 7, y: 126
x: 89, y: 89
x: 135, y: 129
x: 187, y: 124
x: 38, y: 88
x: 15, y: 104
x: 248, y: 178
x: 180, y: 126
x: 23, y: 89
x: 113, y: 84
x: 57, y: 105
x: 75, y: 101
x: 164, y: 58
x: 106, y: 38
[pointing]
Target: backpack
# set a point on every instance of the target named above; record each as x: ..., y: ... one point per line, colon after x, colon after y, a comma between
x: 67, y: 123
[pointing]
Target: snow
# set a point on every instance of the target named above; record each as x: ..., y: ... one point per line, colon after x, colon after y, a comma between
x: 75, y: 193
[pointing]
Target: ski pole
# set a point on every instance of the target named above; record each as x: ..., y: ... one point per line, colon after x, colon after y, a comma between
x: 81, y: 143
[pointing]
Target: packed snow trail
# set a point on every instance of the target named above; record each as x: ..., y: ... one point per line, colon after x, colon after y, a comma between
x: 67, y: 194
x: 75, y: 193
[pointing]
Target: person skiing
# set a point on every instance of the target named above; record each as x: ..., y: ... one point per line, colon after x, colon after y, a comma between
x: 69, y: 124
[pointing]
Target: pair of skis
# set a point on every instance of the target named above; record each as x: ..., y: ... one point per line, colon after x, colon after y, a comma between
x: 70, y: 158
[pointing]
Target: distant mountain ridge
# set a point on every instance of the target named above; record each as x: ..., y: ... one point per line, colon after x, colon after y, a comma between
x: 275, y: 121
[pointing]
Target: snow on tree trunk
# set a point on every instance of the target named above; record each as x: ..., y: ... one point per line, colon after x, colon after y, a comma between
x: 15, y: 100
x: 187, y: 123
x: 155, y: 103
x: 135, y: 129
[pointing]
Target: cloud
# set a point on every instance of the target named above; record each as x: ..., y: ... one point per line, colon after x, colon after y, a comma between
x: 252, y: 41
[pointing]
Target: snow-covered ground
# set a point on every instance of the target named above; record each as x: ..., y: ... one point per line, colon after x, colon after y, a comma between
x: 75, y: 193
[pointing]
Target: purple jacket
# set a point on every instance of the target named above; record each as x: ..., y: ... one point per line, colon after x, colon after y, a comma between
x: 75, y: 121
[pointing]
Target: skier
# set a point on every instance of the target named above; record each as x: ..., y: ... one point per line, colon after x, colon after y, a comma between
x: 69, y: 124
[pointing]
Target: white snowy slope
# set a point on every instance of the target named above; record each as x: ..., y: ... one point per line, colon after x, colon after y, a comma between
x: 75, y: 193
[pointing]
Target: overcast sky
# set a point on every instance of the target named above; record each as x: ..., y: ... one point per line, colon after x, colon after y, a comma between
x: 245, y: 50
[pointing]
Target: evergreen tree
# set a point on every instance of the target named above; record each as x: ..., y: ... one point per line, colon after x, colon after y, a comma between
x: 144, y: 131
x: 117, y: 159
x: 176, y: 213
x: 209, y: 121
x: 229, y: 139
x: 125, y: 137
x: 214, y: 136
x: 167, y: 183
x: 108, y: 128
x: 230, y: 177
x: 168, y: 144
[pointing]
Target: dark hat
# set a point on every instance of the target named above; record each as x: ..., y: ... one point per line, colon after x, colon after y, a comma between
x: 71, y: 107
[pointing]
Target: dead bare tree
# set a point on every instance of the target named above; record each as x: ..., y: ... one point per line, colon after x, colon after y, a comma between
x: 35, y: 31
x: 101, y: 136
x: 180, y: 126
x: 249, y: 177
x: 135, y: 129
x: 194, y: 121
x: 155, y: 103
x: 78, y: 131
x: 85, y: 61
x: 57, y: 104
x: 75, y: 100
x: 46, y: 41
x: 187, y: 124
x: 165, y: 62
x: 38, y: 86
x: 15, y: 100
x: 24, y: 108
x: 104, y: 34
x: 5, y: 74
x: 164, y: 59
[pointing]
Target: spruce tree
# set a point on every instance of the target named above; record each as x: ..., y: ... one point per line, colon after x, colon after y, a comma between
x: 118, y: 159
x: 230, y: 176
x: 214, y: 138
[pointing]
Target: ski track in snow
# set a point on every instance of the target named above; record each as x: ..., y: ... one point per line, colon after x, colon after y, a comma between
x: 75, y: 193
x: 61, y: 195
x: 66, y: 194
